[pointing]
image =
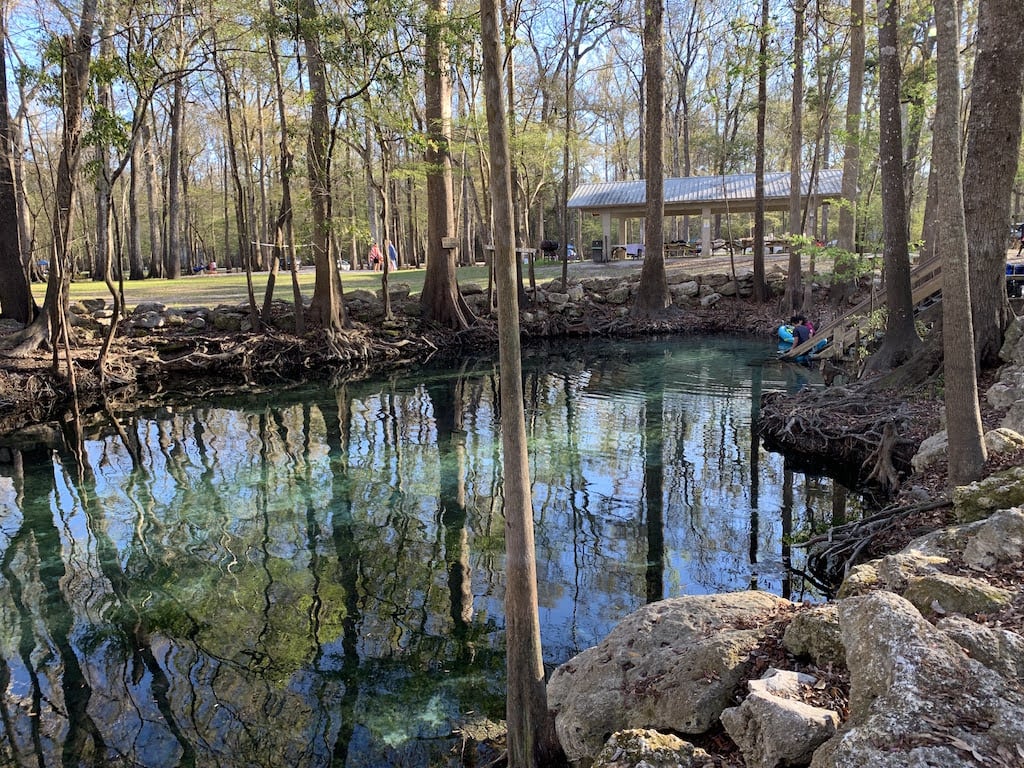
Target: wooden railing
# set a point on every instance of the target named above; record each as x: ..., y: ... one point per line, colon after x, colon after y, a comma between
x: 841, y: 332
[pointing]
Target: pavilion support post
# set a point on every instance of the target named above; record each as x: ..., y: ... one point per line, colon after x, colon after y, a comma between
x: 705, y: 232
x: 606, y: 229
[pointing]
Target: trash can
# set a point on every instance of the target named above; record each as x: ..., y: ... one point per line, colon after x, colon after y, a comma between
x: 597, y: 250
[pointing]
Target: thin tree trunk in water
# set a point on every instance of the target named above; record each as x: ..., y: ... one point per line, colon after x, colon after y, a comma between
x: 993, y: 138
x: 963, y: 419
x: 531, y: 741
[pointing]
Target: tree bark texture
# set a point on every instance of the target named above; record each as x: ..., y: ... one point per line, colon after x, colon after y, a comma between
x: 441, y: 301
x: 794, y: 281
x: 901, y: 338
x: 327, y: 292
x: 993, y: 142
x: 760, y: 293
x: 963, y: 414
x: 531, y: 740
x: 652, y: 294
x: 15, y: 296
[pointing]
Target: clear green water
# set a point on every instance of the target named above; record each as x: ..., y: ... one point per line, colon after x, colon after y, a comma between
x: 315, y: 578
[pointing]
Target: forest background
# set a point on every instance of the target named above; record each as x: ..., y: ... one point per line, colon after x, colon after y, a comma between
x: 198, y: 118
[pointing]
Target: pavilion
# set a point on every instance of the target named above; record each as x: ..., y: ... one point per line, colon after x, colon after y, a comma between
x: 704, y: 196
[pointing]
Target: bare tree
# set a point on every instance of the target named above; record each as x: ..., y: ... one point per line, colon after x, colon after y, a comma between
x: 847, y: 233
x: 794, y: 280
x: 327, y: 295
x: 760, y: 292
x: 51, y: 323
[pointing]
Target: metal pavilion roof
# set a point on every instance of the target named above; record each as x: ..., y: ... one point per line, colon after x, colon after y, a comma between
x: 732, y: 193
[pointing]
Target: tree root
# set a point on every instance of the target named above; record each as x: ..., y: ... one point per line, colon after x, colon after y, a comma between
x: 831, y: 555
x: 865, y: 438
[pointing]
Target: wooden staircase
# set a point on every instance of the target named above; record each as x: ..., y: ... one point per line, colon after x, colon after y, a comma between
x: 845, y: 330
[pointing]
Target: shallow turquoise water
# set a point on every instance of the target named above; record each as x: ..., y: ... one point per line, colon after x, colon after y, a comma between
x: 315, y: 577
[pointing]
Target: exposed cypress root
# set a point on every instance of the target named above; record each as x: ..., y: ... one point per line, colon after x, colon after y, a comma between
x: 866, y: 437
x: 831, y: 555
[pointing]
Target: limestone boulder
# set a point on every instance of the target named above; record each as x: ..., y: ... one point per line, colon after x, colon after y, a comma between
x: 1000, y: 650
x: 1003, y: 440
x: 979, y: 500
x: 814, y: 633
x: 644, y: 748
x: 916, y: 698
x: 1014, y: 416
x: 1012, y: 350
x: 710, y: 300
x: 931, y: 450
x: 997, y: 540
x: 671, y: 665
x: 619, y: 295
x: 943, y: 593
x: 773, y: 727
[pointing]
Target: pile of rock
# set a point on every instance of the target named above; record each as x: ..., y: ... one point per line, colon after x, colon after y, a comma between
x: 933, y: 679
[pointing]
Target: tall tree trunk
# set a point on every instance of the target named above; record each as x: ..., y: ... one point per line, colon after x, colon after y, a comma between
x: 135, y: 173
x: 51, y: 322
x: 327, y: 293
x: 156, y: 248
x: 652, y: 294
x: 284, y: 236
x: 175, y: 225
x: 963, y: 419
x: 15, y: 295
x: 531, y: 740
x: 760, y: 292
x: 441, y: 301
x: 847, y: 233
x: 104, y: 193
x: 993, y: 142
x: 901, y: 339
x: 794, y: 279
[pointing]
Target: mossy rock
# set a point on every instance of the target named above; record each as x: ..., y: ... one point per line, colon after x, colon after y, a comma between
x: 979, y: 500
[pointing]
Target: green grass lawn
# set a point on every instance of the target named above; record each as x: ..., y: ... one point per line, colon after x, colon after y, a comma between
x: 230, y: 288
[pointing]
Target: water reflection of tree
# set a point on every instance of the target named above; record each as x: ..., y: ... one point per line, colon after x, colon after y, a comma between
x: 447, y: 399
x: 33, y: 567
